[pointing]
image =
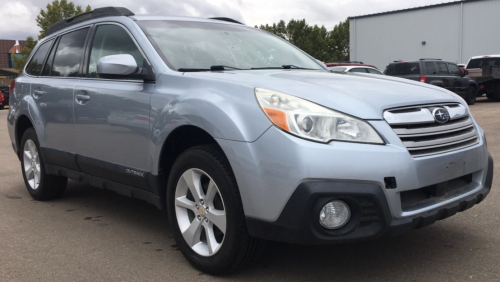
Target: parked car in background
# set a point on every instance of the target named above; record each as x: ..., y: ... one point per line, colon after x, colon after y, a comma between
x: 359, y: 64
x: 486, y: 71
x: 357, y: 69
x: 438, y: 73
x: 4, y: 89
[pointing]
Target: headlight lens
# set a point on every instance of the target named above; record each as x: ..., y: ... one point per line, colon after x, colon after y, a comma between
x: 311, y: 121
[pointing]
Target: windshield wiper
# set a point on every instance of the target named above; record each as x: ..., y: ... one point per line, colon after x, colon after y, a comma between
x: 282, y: 67
x: 212, y: 68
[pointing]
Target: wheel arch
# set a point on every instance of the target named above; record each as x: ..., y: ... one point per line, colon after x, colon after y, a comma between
x: 178, y: 141
x: 22, y: 124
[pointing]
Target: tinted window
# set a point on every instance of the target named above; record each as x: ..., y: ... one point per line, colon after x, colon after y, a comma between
x: 454, y: 70
x: 202, y: 45
x: 49, y: 63
x: 373, y: 71
x: 479, y: 63
x: 69, y: 54
x: 403, y: 68
x: 430, y: 68
x: 337, y: 69
x: 112, y: 40
x: 36, y: 63
x: 442, y: 69
x: 358, y: 70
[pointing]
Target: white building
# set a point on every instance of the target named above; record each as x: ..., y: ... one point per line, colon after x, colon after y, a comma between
x: 453, y: 31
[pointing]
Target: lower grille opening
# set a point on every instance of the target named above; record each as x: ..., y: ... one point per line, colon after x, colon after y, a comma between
x: 420, y: 198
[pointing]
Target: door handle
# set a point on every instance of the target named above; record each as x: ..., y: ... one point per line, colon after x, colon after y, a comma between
x: 37, y: 93
x: 82, y: 97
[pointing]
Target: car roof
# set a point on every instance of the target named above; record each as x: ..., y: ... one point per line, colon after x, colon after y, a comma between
x: 349, y: 64
x: 485, y: 56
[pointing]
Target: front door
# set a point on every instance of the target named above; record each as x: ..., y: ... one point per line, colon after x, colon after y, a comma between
x: 112, y: 115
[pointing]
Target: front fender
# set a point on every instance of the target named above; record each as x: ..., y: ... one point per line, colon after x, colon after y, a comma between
x: 224, y: 110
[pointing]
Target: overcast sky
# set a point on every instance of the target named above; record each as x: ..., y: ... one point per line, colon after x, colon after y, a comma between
x: 17, y: 17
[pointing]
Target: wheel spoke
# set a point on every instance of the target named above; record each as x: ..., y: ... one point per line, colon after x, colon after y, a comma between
x: 31, y: 147
x: 37, y: 175
x: 184, y: 202
x: 27, y: 156
x: 28, y: 171
x: 192, y: 233
x: 211, y: 192
x: 211, y: 242
x: 218, y: 218
x: 193, y: 182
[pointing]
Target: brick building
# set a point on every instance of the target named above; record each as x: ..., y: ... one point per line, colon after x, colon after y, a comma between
x: 7, y: 49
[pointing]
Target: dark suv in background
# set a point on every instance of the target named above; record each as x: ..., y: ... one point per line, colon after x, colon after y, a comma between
x: 439, y: 73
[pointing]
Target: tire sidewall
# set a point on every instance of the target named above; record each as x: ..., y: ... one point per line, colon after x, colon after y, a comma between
x: 30, y: 134
x: 200, y: 159
x: 471, y: 95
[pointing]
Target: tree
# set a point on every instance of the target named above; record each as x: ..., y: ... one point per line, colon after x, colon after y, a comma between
x: 56, y: 11
x: 324, y: 45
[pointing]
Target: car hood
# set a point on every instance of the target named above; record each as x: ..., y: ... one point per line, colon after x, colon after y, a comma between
x: 363, y: 96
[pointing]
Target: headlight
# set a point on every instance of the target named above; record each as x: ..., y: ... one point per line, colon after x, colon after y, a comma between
x: 313, y: 122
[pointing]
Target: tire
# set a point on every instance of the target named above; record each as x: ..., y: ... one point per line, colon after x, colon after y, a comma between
x: 2, y: 107
x: 471, y: 96
x: 495, y: 96
x: 41, y: 186
x: 223, y: 221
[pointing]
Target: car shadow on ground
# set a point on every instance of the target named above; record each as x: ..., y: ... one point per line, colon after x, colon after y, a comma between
x: 415, y: 255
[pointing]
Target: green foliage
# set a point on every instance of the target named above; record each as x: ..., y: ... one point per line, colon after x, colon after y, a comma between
x: 20, y: 59
x: 324, y: 45
x: 56, y: 11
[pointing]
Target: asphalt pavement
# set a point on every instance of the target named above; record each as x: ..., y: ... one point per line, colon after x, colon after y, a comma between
x: 97, y: 235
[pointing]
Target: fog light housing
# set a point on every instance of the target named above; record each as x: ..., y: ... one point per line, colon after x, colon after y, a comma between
x: 334, y: 214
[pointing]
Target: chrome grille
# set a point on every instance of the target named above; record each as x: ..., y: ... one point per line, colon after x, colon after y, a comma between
x: 423, y: 136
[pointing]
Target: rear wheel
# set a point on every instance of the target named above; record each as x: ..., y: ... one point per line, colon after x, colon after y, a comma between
x: 495, y: 96
x: 206, y: 213
x: 471, y: 96
x: 41, y: 186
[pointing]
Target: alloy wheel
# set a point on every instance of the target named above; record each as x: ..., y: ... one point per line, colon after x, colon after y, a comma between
x: 200, y: 212
x: 31, y: 164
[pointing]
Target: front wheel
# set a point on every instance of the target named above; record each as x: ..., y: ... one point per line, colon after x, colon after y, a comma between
x: 206, y: 213
x: 471, y: 96
x: 41, y: 185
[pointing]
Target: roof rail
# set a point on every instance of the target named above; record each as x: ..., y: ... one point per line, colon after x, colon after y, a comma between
x: 96, y: 13
x: 225, y: 20
x: 425, y: 59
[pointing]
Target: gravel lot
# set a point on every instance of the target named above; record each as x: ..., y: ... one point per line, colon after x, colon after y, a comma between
x: 97, y: 235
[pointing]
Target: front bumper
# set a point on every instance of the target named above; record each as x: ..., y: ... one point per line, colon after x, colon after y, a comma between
x: 371, y: 216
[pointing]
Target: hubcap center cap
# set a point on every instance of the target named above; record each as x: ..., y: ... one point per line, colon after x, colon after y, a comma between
x: 202, y: 211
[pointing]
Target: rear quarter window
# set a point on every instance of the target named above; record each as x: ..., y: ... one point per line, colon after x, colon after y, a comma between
x: 35, y: 65
x: 403, y: 69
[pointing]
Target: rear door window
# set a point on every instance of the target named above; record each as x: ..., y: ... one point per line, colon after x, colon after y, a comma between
x: 454, y: 70
x: 481, y: 62
x: 69, y: 54
x: 358, y: 70
x: 373, y: 71
x: 430, y: 68
x: 442, y: 68
x: 403, y: 69
x: 35, y: 65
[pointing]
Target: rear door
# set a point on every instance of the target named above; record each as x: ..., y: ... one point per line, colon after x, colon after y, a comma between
x: 432, y: 74
x: 112, y: 115
x: 52, y: 91
x: 445, y: 76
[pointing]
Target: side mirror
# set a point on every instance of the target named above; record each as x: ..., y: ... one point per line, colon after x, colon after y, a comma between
x: 466, y: 72
x: 116, y: 66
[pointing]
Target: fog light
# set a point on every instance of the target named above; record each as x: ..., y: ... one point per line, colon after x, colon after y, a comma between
x: 334, y: 214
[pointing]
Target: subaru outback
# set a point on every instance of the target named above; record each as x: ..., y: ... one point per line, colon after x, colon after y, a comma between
x: 239, y: 135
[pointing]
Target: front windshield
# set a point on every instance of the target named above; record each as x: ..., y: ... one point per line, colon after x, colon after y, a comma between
x: 201, y: 45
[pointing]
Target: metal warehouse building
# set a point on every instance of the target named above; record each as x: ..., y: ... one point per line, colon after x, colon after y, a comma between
x: 453, y: 31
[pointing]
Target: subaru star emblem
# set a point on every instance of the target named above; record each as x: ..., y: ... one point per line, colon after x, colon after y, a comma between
x: 441, y: 115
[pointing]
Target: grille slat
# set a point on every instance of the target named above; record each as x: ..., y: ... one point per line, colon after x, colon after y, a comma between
x: 423, y: 136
